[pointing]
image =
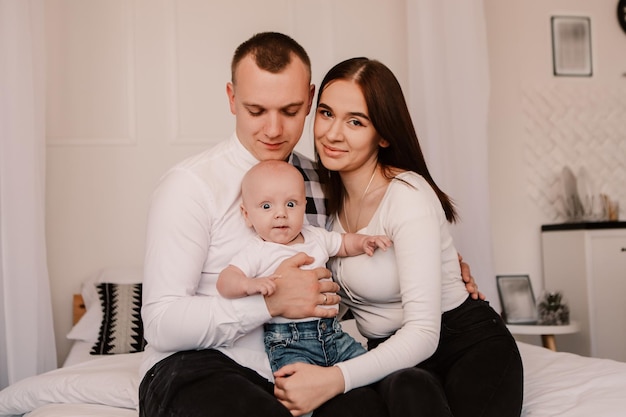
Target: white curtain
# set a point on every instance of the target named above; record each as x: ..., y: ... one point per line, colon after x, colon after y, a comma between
x: 27, y: 344
x: 449, y: 93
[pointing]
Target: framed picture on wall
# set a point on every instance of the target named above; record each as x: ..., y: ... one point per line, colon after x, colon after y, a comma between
x: 571, y: 46
x: 517, y: 299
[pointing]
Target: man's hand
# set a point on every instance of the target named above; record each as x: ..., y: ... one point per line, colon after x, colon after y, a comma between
x: 470, y: 284
x: 300, y: 293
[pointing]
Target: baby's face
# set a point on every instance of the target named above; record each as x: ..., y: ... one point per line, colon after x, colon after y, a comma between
x: 275, y: 207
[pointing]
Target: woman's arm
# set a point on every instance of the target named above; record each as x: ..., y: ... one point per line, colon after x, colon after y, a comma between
x: 413, y: 218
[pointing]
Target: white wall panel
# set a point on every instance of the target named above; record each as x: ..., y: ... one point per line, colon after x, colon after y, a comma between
x: 90, y: 74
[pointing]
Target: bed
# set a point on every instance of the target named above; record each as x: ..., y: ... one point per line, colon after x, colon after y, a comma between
x: 105, y: 384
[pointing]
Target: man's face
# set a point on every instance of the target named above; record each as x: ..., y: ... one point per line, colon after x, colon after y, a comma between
x: 270, y: 109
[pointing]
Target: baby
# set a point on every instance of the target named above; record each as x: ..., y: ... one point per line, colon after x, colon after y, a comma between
x: 273, y: 203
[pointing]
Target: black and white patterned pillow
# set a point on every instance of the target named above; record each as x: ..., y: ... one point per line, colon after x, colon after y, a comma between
x: 121, y: 329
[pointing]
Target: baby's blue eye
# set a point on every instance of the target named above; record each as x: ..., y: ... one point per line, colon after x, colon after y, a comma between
x: 291, y: 204
x: 266, y: 206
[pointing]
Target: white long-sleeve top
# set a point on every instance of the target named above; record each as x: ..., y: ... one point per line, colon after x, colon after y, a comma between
x: 194, y: 228
x: 404, y: 289
x: 260, y: 258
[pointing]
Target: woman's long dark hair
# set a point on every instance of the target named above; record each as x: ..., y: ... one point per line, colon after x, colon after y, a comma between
x: 390, y: 117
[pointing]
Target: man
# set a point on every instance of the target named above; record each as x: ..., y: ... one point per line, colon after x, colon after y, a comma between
x: 205, y: 354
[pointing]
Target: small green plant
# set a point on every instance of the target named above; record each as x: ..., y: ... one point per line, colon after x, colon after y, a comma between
x: 552, y: 310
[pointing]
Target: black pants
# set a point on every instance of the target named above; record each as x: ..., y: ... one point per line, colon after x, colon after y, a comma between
x: 476, y: 370
x: 208, y: 383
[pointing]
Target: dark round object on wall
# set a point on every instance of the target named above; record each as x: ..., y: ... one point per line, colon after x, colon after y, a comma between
x: 621, y: 14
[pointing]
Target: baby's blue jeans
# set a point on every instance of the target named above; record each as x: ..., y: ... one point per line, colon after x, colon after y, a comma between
x: 319, y: 342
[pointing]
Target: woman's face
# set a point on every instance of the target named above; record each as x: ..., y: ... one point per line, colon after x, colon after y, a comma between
x: 344, y: 135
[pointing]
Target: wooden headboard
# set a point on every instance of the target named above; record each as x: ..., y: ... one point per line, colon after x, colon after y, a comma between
x: 78, y: 308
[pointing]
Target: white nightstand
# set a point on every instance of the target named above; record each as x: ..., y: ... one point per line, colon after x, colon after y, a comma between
x: 546, y: 332
x: 586, y: 261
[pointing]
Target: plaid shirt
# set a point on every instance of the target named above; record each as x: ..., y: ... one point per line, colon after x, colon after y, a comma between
x: 315, y: 200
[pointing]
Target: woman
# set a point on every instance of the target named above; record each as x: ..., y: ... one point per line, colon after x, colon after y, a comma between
x: 463, y: 362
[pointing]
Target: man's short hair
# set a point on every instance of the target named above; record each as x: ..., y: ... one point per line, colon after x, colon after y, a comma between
x: 272, y: 52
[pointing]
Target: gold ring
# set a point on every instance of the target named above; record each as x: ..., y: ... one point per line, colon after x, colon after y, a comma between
x: 325, y: 299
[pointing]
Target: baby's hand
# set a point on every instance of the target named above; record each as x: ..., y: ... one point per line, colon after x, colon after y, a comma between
x: 373, y: 242
x: 263, y: 286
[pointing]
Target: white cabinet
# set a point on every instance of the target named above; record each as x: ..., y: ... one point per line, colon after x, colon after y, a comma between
x: 587, y: 263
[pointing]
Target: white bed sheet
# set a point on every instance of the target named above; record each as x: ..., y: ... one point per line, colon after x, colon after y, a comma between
x: 559, y: 384
x: 111, y: 380
x: 81, y: 410
x: 556, y: 384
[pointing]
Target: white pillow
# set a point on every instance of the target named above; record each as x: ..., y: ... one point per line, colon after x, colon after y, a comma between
x: 88, y: 326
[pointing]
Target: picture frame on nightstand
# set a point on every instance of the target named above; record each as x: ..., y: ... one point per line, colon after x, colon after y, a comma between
x: 517, y: 299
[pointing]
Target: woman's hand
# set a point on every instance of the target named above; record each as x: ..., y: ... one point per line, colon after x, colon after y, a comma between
x: 470, y: 284
x: 303, y: 387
